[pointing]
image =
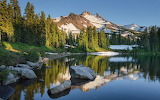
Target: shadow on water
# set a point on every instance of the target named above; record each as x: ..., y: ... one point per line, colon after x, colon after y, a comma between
x: 107, y: 68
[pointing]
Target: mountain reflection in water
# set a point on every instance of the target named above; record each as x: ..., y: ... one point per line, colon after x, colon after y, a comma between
x: 107, y: 69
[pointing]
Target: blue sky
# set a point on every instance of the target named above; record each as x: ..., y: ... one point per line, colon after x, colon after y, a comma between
x: 122, y: 12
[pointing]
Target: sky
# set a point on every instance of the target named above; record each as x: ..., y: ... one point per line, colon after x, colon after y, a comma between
x: 121, y: 12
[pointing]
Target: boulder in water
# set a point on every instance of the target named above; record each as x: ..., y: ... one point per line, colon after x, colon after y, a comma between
x: 82, y: 72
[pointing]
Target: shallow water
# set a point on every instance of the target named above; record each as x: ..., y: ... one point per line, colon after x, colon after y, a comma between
x: 118, y: 78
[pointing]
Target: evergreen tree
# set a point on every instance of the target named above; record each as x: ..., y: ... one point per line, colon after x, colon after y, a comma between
x: 49, y: 28
x: 145, y: 40
x: 95, y: 34
x: 6, y: 27
x: 154, y: 39
x: 43, y: 29
x: 83, y: 41
x: 16, y: 20
x: 90, y: 38
x: 28, y: 25
x: 158, y: 32
x: 102, y: 39
x: 119, y: 39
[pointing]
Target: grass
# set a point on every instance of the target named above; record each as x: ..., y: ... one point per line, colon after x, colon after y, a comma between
x: 13, y: 53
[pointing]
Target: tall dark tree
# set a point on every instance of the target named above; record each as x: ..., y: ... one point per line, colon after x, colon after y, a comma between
x: 90, y: 38
x: 6, y: 27
x: 154, y: 40
x: 103, y: 39
x: 145, y: 40
x: 158, y: 32
x: 43, y: 28
x: 28, y: 24
x: 95, y: 35
x: 16, y: 20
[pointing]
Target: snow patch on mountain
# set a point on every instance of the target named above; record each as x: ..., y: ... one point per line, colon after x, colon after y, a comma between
x: 135, y: 27
x: 57, y: 19
x: 97, y: 22
x: 68, y: 27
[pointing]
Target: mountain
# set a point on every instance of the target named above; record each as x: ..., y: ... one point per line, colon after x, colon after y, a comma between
x: 135, y: 27
x: 73, y: 23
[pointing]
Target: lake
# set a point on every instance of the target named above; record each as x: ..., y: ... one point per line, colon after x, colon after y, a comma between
x: 118, y: 78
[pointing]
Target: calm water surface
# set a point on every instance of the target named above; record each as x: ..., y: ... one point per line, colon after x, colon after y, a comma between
x: 118, y: 78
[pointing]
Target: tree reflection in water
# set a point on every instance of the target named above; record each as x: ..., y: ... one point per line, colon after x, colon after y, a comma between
x: 148, y: 66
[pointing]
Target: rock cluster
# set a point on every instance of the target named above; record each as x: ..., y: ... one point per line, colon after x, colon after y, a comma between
x: 21, y: 71
x: 78, y: 73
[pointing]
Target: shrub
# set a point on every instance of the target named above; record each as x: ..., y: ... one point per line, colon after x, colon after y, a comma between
x: 3, y: 75
x: 32, y: 56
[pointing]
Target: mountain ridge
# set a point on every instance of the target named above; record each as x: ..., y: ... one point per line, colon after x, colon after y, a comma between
x: 74, y: 22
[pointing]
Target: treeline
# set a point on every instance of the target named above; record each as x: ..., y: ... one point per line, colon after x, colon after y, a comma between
x: 29, y: 28
x: 117, y: 39
x: 36, y: 29
x: 150, y: 39
x: 90, y: 39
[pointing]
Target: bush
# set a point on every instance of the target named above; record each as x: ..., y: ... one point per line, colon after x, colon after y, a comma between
x: 32, y: 56
x: 7, y: 58
x: 3, y: 75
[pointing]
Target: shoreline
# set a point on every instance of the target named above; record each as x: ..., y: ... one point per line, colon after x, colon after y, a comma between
x: 60, y: 55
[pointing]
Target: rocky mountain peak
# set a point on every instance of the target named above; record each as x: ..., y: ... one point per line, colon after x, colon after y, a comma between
x: 86, y: 13
x: 71, y: 14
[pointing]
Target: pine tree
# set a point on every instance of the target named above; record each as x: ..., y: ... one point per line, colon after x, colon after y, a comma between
x: 154, y: 39
x: 113, y: 39
x: 29, y: 25
x: 95, y: 34
x: 102, y: 39
x: 6, y: 27
x: 158, y: 32
x: 49, y: 29
x: 83, y: 41
x: 43, y: 28
x: 16, y: 20
x: 90, y: 38
x: 16, y: 11
x: 119, y: 39
x: 145, y: 40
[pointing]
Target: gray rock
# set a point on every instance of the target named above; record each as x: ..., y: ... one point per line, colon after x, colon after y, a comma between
x: 27, y: 73
x: 10, y: 79
x: 24, y: 72
x: 41, y: 80
x: 3, y: 67
x: 23, y: 66
x: 82, y: 72
x: 32, y: 64
x: 63, y: 86
x: 1, y: 99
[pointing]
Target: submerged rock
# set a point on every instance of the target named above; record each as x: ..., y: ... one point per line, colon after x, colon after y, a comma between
x: 11, y: 78
x: 63, y: 86
x: 82, y: 72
